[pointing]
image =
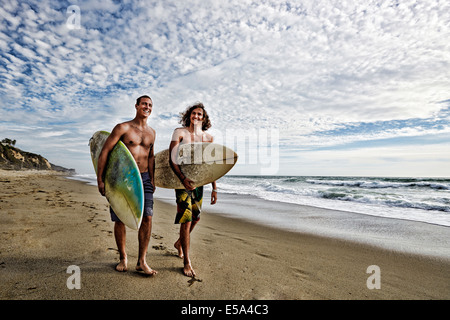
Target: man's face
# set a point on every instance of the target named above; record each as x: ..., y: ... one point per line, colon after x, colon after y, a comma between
x: 197, y: 116
x: 145, y: 106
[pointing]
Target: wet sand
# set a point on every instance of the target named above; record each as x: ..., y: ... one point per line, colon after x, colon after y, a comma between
x: 49, y: 223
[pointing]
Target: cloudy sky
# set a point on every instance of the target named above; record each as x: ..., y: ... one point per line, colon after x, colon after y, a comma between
x: 301, y: 87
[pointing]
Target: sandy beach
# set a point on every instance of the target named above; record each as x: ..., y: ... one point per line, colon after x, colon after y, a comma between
x: 49, y: 223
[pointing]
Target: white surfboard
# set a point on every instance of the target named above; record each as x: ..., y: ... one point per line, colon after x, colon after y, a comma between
x: 202, y: 162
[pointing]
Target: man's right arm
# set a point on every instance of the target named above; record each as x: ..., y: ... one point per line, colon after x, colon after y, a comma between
x: 173, y: 149
x: 110, y: 142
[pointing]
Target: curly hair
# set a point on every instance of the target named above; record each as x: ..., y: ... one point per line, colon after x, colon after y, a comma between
x: 186, y: 116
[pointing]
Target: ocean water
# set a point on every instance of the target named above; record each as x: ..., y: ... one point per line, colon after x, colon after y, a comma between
x: 418, y: 199
x: 90, y: 179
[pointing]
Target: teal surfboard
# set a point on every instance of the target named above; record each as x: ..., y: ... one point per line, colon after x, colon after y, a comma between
x: 123, y: 183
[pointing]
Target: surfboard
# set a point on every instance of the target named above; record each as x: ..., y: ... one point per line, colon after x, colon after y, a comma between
x: 202, y: 162
x: 123, y: 182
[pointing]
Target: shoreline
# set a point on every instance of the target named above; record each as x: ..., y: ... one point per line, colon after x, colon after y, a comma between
x: 49, y: 222
x: 395, y: 234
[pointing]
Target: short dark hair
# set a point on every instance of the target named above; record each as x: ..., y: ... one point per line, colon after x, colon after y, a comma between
x: 138, y: 100
x: 186, y: 116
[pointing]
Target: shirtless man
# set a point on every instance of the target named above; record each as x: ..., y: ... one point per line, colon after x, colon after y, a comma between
x: 195, y: 122
x: 139, y: 139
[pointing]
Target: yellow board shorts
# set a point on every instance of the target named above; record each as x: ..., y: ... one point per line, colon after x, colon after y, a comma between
x: 189, y: 204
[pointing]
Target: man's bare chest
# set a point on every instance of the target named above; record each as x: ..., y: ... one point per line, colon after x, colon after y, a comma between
x: 188, y: 137
x: 135, y: 137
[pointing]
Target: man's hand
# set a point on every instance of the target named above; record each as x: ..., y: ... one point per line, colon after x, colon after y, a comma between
x: 101, y: 187
x: 188, y: 184
x: 213, y: 197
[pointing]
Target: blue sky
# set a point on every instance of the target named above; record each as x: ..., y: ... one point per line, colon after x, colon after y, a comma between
x: 298, y: 87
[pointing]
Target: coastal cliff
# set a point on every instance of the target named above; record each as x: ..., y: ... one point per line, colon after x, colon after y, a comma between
x: 12, y: 158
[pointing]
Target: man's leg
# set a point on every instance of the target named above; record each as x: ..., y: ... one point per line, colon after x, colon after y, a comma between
x: 120, y: 235
x: 185, y: 230
x: 177, y: 244
x: 144, y: 234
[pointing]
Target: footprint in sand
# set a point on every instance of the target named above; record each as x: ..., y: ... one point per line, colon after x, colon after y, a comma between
x: 301, y: 273
x: 264, y: 255
x: 159, y: 247
x: 194, y: 279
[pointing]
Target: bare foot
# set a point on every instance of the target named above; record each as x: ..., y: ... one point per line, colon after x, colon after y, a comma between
x: 122, y: 266
x: 145, y: 268
x: 177, y: 246
x: 188, y: 271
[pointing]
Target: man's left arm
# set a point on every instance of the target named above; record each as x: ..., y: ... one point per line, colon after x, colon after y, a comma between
x: 151, y: 164
x: 213, y: 193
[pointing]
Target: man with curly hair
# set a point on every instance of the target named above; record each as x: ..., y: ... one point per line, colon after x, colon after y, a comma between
x: 195, y: 121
